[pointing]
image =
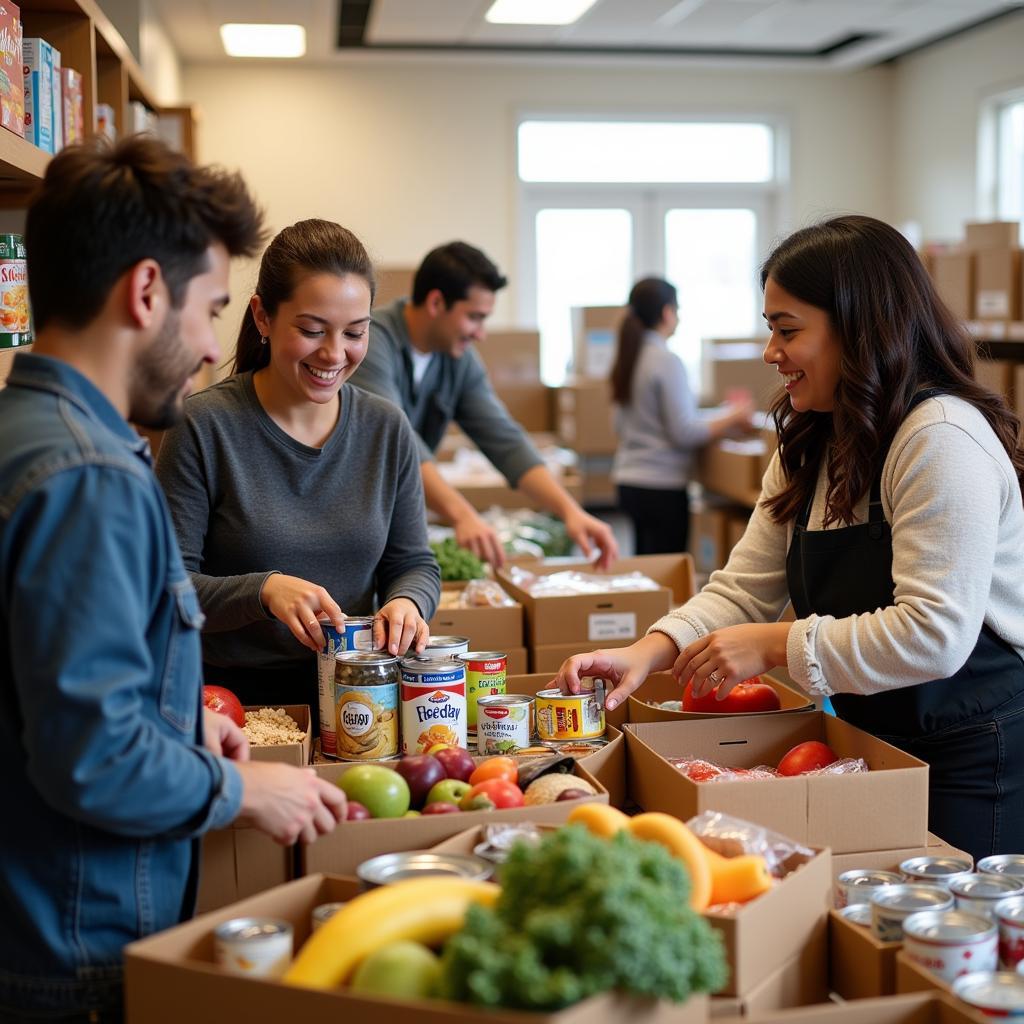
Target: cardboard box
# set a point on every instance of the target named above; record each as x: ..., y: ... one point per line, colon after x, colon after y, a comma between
x: 483, y: 494
x: 801, y: 981
x: 993, y: 234
x: 393, y: 282
x: 528, y: 404
x: 171, y: 977
x: 298, y: 754
x: 595, y: 331
x: 599, y: 618
x: 953, y: 276
x: 912, y: 977
x: 352, y: 842
x: 997, y: 375
x: 12, y: 100
x: 997, y: 284
x: 37, y: 57
x: 488, y: 629
x: 585, y: 417
x: 548, y: 658
x: 512, y: 357
x: 884, y: 808
x: 860, y: 966
x: 74, y: 105
x: 732, y: 469
x: 709, y: 534
x: 239, y: 862
x: 890, y: 860
x: 770, y: 437
x: 922, y: 1008
x: 662, y: 686
x: 518, y: 661
x: 729, y: 366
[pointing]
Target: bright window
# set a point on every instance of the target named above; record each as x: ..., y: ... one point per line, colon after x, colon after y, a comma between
x: 1010, y: 172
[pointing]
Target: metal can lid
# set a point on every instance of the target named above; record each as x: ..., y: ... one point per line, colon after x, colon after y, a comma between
x: 986, y: 887
x: 857, y: 913
x: 424, y: 663
x: 1002, y: 864
x: 393, y: 867
x: 949, y: 927
x: 1011, y: 908
x: 504, y: 700
x: 358, y: 620
x: 448, y: 641
x: 911, y: 897
x: 936, y: 867
x: 869, y: 878
x: 326, y: 910
x: 481, y: 656
x: 556, y: 694
x: 991, y: 990
x: 366, y: 658
x: 251, y: 929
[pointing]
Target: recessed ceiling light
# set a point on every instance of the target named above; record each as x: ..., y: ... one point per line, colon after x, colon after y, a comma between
x: 245, y: 40
x: 537, y: 12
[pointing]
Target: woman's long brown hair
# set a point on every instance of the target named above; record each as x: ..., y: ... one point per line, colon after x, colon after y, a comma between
x: 896, y: 337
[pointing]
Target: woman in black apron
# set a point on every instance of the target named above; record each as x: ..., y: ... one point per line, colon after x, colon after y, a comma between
x: 862, y: 343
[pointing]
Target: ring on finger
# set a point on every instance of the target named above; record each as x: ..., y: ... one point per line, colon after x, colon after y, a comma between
x: 312, y: 622
x: 715, y: 677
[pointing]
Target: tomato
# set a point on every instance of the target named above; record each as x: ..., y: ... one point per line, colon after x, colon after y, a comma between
x: 492, y: 795
x: 495, y: 768
x: 224, y: 702
x: 748, y: 697
x: 807, y: 757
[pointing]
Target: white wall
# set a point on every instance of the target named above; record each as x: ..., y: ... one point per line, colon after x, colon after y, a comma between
x: 937, y: 98
x: 411, y: 154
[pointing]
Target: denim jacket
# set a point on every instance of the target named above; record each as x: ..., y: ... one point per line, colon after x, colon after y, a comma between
x: 106, y: 782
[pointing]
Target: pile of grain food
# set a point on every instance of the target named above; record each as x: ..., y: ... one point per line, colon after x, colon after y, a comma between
x: 271, y: 727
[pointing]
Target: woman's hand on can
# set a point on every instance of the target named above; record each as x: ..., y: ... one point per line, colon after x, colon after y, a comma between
x: 398, y: 626
x: 301, y: 606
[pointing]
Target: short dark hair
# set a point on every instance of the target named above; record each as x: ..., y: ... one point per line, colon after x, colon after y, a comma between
x: 309, y: 247
x: 102, y: 207
x: 453, y: 269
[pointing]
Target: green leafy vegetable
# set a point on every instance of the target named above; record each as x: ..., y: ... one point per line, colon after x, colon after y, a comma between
x: 579, y: 915
x: 456, y: 563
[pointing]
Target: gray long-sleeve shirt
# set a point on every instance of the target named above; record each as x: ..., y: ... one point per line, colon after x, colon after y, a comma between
x: 247, y: 499
x: 661, y: 428
x: 451, y: 389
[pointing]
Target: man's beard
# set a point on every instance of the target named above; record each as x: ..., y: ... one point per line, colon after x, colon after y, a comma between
x: 158, y: 377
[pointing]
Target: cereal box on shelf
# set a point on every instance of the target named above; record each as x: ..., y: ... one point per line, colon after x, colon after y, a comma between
x: 12, y: 86
x: 37, y: 57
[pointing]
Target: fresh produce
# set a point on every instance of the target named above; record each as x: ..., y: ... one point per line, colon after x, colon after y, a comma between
x: 441, y: 807
x: 601, y: 819
x: 492, y: 795
x: 383, y: 792
x: 579, y: 915
x: 750, y: 696
x: 425, y: 910
x: 356, y: 811
x: 456, y: 563
x: 495, y: 768
x: 547, y: 764
x: 807, y: 757
x: 571, y: 794
x: 457, y: 762
x: 405, y: 970
x: 421, y: 772
x: 548, y: 788
x: 224, y: 702
x: 671, y: 833
x: 449, y: 791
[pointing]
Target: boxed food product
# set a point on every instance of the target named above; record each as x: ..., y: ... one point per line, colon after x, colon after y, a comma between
x: 37, y: 67
x: 74, y: 105
x: 296, y: 752
x: 57, y: 102
x: 12, y: 75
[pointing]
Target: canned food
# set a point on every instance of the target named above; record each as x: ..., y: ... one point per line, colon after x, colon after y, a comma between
x: 980, y: 893
x: 15, y: 328
x: 1010, y: 919
x: 857, y: 913
x: 575, y: 748
x: 395, y: 867
x: 446, y: 647
x: 433, y: 703
x: 504, y: 723
x: 260, y: 947
x: 1003, y: 864
x: 366, y: 705
x: 357, y: 634
x: 571, y: 716
x: 323, y: 913
x: 950, y: 943
x: 485, y: 677
x: 857, y: 885
x: 995, y: 993
x: 935, y: 870
x: 892, y: 904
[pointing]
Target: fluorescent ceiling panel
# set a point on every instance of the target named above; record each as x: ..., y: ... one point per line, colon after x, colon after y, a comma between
x: 250, y: 40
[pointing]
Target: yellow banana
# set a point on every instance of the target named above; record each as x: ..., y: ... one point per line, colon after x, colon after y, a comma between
x: 683, y: 845
x: 601, y: 819
x: 425, y: 910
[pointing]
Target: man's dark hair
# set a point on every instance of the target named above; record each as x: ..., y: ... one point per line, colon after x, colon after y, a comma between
x: 453, y: 269
x: 101, y: 208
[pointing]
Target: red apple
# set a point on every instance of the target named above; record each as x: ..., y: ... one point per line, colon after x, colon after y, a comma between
x: 441, y: 807
x: 224, y: 702
x: 421, y: 771
x: 571, y: 794
x: 357, y: 811
x: 457, y: 763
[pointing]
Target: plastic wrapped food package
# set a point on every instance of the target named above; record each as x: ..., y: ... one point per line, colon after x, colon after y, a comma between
x: 476, y: 594
x: 732, y: 837
x: 696, y: 769
x: 571, y: 583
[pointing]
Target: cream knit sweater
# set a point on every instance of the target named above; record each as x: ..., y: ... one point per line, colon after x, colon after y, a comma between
x: 953, y: 501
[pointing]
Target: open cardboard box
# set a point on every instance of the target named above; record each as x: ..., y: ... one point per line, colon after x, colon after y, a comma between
x: 237, y: 862
x: 884, y: 808
x: 800, y: 981
x: 298, y: 754
x: 662, y: 686
x: 860, y: 965
x: 172, y: 977
x: 488, y: 629
x: 733, y: 469
x: 890, y: 860
x: 352, y: 842
x: 908, y: 1009
x: 596, y: 618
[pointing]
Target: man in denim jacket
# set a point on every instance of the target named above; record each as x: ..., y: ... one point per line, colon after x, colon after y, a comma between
x: 110, y: 769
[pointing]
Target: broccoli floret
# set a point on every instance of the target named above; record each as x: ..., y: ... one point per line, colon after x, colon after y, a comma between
x: 579, y: 915
x: 456, y: 563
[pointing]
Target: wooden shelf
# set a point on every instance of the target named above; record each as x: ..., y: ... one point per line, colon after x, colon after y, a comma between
x: 989, y: 348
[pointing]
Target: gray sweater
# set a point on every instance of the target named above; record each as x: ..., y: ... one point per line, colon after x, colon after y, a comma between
x: 661, y: 427
x: 247, y: 499
x: 451, y: 389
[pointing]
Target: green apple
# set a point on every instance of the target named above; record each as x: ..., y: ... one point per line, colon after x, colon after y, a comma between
x: 383, y: 792
x: 404, y: 969
x: 448, y: 791
x: 411, y: 814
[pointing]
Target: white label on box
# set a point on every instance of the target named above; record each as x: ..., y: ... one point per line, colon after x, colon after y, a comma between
x: 600, y: 353
x: 611, y: 626
x: 994, y: 303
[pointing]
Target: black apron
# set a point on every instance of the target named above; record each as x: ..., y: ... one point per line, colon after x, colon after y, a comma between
x: 969, y: 728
